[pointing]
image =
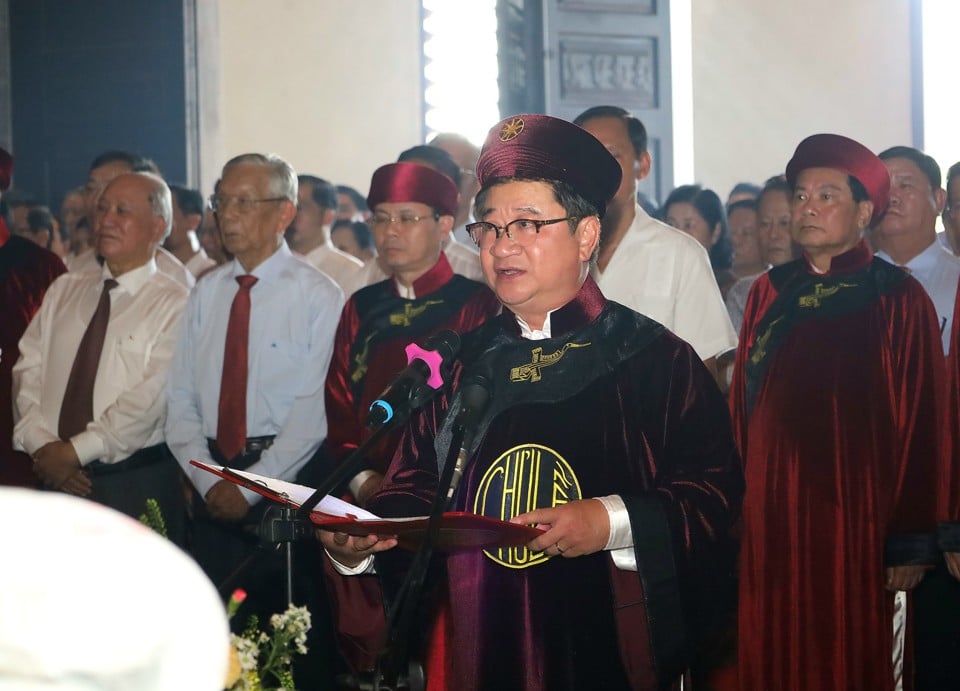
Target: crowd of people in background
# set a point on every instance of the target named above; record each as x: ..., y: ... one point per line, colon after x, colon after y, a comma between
x: 149, y: 324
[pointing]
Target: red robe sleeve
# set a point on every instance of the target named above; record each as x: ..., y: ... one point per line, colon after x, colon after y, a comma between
x: 343, y: 424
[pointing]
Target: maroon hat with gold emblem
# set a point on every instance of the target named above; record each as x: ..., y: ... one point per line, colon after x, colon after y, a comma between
x: 412, y: 182
x: 539, y: 147
x: 6, y: 169
x: 853, y: 158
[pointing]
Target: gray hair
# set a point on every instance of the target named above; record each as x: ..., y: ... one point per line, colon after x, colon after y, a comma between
x: 283, y: 178
x: 159, y: 198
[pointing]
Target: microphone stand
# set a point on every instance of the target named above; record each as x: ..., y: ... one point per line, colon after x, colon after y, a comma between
x: 402, y: 615
x: 284, y: 525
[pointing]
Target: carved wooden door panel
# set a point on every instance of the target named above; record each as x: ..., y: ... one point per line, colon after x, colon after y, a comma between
x: 613, y: 52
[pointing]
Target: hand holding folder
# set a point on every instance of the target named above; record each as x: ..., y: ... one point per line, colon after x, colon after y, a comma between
x: 458, y: 530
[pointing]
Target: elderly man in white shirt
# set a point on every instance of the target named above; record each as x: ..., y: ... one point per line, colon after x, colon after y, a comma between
x: 259, y: 407
x: 103, y: 169
x: 88, y: 388
x: 647, y: 265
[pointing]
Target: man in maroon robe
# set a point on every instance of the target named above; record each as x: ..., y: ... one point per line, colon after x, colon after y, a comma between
x: 836, y: 404
x: 26, y: 271
x: 413, y: 210
x: 602, y: 428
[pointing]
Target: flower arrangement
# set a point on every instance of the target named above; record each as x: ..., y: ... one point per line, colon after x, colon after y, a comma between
x: 261, y: 660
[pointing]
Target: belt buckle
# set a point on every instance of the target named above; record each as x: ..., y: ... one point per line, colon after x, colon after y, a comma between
x: 255, y: 445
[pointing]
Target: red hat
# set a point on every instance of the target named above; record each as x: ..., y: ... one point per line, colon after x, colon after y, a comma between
x: 539, y: 147
x: 853, y: 158
x: 412, y: 182
x: 6, y: 169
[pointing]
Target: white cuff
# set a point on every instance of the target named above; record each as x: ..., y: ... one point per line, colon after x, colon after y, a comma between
x: 620, y: 542
x: 89, y: 446
x: 621, y: 535
x: 357, y: 482
x: 366, y: 566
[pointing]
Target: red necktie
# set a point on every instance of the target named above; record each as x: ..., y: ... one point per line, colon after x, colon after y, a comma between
x: 76, y: 411
x: 232, y: 413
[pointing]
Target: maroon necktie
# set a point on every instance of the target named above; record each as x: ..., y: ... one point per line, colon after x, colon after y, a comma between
x: 76, y: 411
x: 232, y: 412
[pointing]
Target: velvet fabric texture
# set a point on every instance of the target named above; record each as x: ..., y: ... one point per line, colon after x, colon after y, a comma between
x: 852, y: 157
x: 26, y: 271
x: 412, y: 182
x: 375, y: 327
x: 611, y: 404
x: 540, y: 147
x: 842, y: 443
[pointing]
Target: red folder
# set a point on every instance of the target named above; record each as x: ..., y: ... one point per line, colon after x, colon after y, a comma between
x: 458, y: 530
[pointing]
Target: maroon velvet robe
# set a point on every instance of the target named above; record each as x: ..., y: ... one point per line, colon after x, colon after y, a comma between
x: 611, y: 404
x: 950, y: 529
x: 836, y: 404
x: 26, y: 271
x: 375, y: 327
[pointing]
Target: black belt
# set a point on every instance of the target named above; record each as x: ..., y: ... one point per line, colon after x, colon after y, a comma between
x: 136, y: 460
x: 252, y: 449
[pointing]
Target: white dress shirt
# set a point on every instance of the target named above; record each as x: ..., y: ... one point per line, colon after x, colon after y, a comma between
x: 345, y: 269
x: 665, y: 274
x: 938, y: 272
x: 464, y: 259
x: 293, y: 316
x: 85, y: 261
x: 199, y: 263
x: 165, y: 261
x: 146, y: 309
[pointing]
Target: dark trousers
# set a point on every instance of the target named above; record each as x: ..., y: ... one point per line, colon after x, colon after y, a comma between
x: 151, y: 473
x: 937, y: 632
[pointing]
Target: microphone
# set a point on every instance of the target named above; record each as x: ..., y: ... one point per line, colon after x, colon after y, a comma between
x: 474, y: 399
x: 417, y: 382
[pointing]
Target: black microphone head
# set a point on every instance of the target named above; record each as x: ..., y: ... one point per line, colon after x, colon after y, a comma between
x: 446, y: 343
x: 474, y: 397
x: 475, y: 392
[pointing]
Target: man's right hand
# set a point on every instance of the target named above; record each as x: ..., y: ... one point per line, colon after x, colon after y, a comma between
x: 226, y: 502
x: 350, y: 550
x: 953, y: 563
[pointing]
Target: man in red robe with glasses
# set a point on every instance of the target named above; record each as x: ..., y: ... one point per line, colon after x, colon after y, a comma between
x: 837, y: 405
x: 602, y: 428
x: 413, y: 212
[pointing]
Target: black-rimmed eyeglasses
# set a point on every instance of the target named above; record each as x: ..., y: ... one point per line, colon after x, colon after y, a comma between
x: 523, y: 231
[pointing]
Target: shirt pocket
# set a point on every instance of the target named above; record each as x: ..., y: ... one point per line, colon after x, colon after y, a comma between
x: 133, y: 354
x: 282, y: 373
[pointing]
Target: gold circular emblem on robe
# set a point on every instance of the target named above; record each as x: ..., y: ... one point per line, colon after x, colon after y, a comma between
x: 524, y: 478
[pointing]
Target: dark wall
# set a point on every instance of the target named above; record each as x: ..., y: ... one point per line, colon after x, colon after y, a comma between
x: 91, y: 76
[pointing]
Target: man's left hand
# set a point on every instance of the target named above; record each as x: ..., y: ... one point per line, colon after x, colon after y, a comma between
x: 904, y: 577
x: 56, y: 463
x: 572, y: 530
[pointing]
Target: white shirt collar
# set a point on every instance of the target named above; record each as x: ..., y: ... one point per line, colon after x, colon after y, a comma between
x: 406, y: 292
x: 926, y: 260
x: 133, y: 280
x: 535, y: 334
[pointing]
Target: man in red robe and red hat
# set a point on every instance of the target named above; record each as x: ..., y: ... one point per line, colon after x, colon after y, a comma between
x: 413, y: 211
x: 26, y: 271
x: 837, y: 407
x: 602, y: 428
